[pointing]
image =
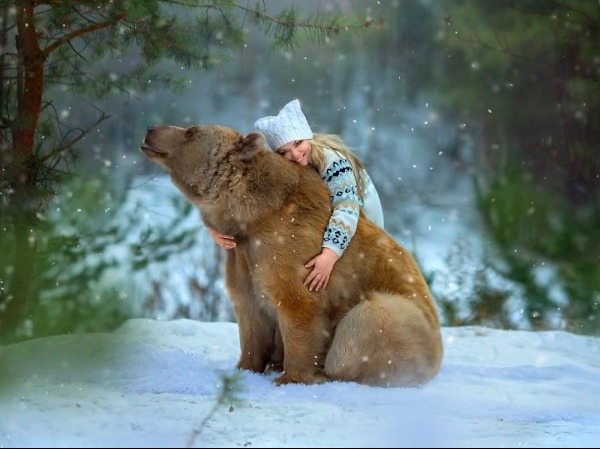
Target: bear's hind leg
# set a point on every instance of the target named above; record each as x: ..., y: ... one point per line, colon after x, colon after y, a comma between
x: 385, y: 341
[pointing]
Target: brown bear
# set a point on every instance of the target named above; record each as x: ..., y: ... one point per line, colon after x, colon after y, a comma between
x: 375, y: 323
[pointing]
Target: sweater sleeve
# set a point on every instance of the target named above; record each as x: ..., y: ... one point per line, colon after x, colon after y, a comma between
x: 339, y: 177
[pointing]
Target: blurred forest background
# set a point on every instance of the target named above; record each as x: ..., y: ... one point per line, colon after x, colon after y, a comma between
x: 476, y: 115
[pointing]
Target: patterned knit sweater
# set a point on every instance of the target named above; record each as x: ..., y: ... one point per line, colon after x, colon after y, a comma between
x: 339, y: 177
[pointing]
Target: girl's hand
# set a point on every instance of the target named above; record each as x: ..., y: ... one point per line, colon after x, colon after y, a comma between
x: 224, y: 241
x: 323, y: 264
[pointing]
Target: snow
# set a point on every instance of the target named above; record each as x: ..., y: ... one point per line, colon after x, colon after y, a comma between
x: 155, y: 383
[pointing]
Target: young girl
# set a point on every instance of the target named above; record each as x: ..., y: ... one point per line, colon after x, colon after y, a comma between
x: 350, y: 186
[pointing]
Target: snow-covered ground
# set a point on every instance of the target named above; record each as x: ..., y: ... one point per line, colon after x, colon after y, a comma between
x: 155, y: 384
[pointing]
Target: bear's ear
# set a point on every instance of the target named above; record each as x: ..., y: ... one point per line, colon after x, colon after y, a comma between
x: 250, y: 145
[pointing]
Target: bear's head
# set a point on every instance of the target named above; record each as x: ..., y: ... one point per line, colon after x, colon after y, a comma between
x: 203, y: 159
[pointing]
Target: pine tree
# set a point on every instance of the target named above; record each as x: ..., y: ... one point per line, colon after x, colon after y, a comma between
x: 60, y: 44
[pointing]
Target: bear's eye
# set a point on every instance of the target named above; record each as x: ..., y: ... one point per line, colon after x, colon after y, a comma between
x: 189, y: 133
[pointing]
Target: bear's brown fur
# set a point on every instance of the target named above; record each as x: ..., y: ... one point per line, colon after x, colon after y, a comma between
x: 376, y: 321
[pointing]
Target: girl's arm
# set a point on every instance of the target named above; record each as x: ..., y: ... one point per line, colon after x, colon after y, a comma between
x: 339, y: 177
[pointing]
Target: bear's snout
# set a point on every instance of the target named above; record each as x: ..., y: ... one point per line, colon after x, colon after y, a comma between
x: 149, y: 147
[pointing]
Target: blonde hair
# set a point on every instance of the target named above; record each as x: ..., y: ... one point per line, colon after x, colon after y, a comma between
x: 321, y: 142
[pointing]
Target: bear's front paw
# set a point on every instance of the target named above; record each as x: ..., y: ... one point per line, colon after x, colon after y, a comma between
x: 309, y: 379
x: 251, y: 365
x: 273, y: 368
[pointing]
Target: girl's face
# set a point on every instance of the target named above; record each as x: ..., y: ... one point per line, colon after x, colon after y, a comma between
x: 297, y: 151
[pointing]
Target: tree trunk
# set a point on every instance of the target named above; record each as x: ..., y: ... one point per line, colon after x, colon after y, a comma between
x: 22, y: 203
x: 30, y: 89
x: 13, y: 302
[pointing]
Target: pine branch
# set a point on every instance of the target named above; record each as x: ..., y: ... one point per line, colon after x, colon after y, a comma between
x: 81, y: 32
x: 230, y: 388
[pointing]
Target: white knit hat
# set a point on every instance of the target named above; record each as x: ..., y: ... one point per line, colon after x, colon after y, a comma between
x: 289, y: 125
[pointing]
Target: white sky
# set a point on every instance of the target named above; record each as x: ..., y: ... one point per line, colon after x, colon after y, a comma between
x: 152, y: 383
